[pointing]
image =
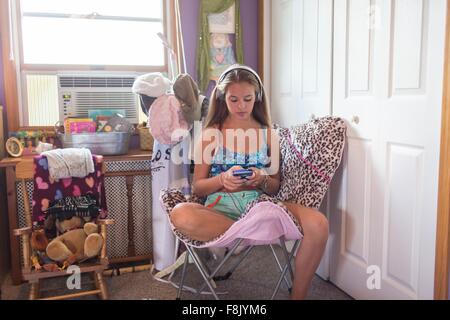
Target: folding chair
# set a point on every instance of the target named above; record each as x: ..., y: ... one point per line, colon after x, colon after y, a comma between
x: 250, y: 231
x: 310, y: 155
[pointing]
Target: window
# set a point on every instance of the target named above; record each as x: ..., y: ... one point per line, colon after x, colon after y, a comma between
x: 92, y: 32
x: 88, y: 37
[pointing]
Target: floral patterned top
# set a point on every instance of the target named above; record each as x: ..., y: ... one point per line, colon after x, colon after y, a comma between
x: 224, y: 158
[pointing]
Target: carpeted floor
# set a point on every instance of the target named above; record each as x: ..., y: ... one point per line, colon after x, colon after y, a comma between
x: 254, y: 279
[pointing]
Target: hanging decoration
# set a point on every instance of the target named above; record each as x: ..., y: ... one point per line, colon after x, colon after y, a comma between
x: 223, y: 22
x: 204, y: 59
x: 221, y: 54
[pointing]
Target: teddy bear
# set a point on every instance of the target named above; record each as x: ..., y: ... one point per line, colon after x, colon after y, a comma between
x: 79, y: 240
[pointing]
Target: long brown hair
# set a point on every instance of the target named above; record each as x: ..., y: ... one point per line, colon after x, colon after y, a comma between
x: 218, y: 110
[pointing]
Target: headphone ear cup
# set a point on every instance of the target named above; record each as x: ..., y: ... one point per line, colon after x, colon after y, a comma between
x: 259, y: 97
x: 220, y: 96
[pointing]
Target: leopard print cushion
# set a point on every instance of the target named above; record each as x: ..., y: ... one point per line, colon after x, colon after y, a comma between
x: 307, y: 170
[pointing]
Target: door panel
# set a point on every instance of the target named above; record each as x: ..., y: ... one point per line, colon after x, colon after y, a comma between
x: 315, y: 41
x: 301, y: 60
x: 284, y: 61
x: 388, y: 87
x: 357, y: 199
x: 400, y: 247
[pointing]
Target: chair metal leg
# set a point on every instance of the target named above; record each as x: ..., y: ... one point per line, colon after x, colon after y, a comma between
x: 286, y: 266
x: 286, y: 255
x: 177, y: 247
x: 183, y: 273
x: 286, y: 279
x: 224, y: 260
x: 209, y: 276
x: 277, y: 287
x: 234, y: 267
x: 283, y: 273
x: 200, y: 268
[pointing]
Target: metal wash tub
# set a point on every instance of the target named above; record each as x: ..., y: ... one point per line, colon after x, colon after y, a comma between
x: 102, y: 143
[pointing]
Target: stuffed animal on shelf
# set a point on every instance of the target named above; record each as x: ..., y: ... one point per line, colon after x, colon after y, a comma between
x: 78, y: 241
x: 39, y: 243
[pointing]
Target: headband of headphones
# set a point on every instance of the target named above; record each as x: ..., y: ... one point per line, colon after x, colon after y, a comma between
x: 242, y: 67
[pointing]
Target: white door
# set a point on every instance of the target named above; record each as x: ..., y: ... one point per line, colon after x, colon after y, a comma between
x: 301, y: 58
x: 285, y: 62
x: 387, y: 84
x: 301, y: 68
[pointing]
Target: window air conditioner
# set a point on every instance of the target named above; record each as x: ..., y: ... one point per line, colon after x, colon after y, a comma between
x: 78, y: 93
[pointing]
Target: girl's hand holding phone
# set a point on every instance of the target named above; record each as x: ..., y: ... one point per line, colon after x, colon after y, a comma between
x: 230, y: 182
x: 257, y: 178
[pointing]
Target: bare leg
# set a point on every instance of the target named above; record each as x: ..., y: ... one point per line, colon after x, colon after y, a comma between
x: 199, y: 222
x: 315, y: 235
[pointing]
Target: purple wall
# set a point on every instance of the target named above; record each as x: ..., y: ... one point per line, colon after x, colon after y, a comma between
x: 189, y: 21
x: 249, y: 20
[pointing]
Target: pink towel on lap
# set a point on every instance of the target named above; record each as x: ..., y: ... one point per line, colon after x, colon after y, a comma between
x: 264, y: 223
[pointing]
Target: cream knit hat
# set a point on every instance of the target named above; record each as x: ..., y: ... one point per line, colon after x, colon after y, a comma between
x: 151, y: 84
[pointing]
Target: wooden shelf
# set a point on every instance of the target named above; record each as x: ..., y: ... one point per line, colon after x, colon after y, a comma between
x: 136, y: 155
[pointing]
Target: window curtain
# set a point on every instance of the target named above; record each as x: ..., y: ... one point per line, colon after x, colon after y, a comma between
x: 203, y: 59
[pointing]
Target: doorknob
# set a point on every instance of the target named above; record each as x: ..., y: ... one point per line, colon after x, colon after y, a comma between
x: 355, y: 119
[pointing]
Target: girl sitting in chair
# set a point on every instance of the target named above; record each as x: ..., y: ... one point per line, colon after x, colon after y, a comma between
x: 239, y: 113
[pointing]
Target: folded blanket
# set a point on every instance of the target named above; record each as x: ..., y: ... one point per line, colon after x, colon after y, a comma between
x: 70, y: 162
x: 47, y: 190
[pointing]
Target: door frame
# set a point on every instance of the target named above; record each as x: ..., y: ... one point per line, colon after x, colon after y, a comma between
x: 442, y: 259
x: 441, y: 275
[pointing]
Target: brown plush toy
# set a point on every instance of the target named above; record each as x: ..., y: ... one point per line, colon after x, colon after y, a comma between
x: 77, y: 242
x: 39, y: 243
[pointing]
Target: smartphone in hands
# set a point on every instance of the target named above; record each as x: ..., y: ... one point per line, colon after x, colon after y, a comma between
x: 243, y: 173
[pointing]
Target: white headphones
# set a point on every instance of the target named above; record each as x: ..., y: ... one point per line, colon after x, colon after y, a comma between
x: 259, y: 95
